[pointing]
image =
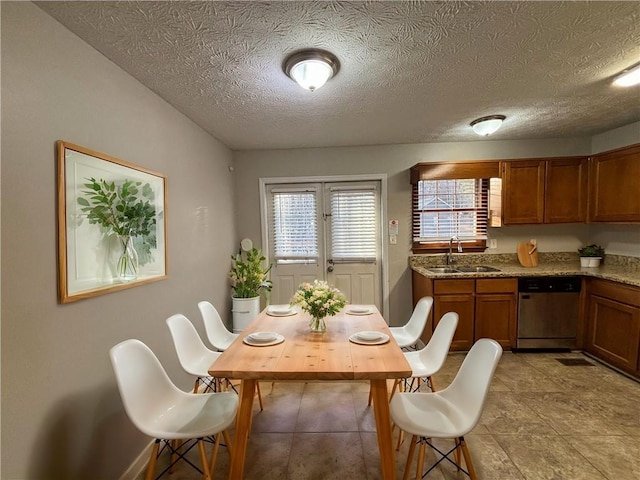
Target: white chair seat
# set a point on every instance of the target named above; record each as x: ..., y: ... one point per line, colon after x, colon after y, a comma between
x: 402, y: 338
x: 200, y: 366
x: 427, y: 415
x: 192, y: 416
x: 419, y: 367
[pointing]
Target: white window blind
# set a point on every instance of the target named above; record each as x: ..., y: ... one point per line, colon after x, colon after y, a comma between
x: 353, y: 225
x: 446, y: 208
x: 295, y: 232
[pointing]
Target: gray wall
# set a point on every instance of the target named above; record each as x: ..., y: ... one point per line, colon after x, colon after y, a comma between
x: 62, y: 417
x: 395, y: 161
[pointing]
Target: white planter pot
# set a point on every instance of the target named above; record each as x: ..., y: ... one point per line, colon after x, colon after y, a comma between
x: 590, y: 261
x: 244, y: 310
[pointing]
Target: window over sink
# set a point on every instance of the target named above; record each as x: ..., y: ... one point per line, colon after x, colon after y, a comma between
x: 452, y: 200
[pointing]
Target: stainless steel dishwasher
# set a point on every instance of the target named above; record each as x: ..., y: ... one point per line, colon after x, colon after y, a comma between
x: 548, y: 312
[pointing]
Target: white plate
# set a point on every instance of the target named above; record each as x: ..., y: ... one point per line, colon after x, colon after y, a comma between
x: 279, y: 339
x: 356, y: 339
x: 369, y: 336
x: 263, y: 337
x: 359, y: 311
x: 280, y: 310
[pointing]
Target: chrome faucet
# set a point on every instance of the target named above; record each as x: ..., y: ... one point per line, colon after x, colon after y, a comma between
x: 450, y: 260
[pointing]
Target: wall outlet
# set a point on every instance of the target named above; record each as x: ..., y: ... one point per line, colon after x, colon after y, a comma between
x: 393, y: 239
x: 493, y: 243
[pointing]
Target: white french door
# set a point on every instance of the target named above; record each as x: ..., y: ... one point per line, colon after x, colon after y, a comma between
x: 328, y: 231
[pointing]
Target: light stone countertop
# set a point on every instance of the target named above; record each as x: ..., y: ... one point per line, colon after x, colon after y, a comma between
x: 624, y: 270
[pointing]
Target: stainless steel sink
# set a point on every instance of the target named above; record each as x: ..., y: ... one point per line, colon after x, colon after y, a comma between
x: 476, y: 268
x: 443, y: 270
x: 463, y: 269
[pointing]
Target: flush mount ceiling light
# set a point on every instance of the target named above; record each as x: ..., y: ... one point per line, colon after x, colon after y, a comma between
x: 487, y: 125
x: 629, y: 77
x: 311, y: 68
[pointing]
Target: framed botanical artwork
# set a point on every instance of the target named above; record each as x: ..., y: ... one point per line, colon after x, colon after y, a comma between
x: 111, y: 224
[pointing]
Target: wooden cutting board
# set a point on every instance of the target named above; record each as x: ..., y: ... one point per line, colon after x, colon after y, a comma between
x: 527, y: 254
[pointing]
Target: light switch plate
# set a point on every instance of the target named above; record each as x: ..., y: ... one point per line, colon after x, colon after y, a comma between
x: 493, y: 243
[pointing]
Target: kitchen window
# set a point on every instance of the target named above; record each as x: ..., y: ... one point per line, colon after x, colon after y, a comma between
x: 444, y: 206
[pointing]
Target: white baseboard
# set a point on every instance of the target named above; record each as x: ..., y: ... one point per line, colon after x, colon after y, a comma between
x: 137, y: 468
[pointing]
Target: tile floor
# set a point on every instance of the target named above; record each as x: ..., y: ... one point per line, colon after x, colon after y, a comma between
x: 543, y: 420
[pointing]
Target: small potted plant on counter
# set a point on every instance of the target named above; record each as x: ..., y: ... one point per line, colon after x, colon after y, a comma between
x: 591, y: 255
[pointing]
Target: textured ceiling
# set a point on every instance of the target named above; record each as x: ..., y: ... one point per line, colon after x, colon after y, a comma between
x: 411, y: 72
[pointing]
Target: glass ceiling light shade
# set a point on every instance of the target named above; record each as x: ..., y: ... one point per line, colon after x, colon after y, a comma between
x: 629, y: 77
x: 487, y: 125
x: 311, y: 68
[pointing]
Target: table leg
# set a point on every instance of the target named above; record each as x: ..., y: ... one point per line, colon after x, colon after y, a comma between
x: 243, y: 426
x: 383, y: 427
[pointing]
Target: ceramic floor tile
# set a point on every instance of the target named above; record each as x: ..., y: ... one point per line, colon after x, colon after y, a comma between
x: 327, y: 412
x: 547, y: 457
x: 571, y: 414
x: 618, y: 458
x: 506, y: 413
x: 326, y: 456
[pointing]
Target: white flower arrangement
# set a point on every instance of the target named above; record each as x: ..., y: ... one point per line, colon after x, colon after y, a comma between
x: 319, y: 299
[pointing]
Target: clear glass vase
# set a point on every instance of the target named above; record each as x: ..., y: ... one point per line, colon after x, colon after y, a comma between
x: 127, y: 264
x: 317, y: 325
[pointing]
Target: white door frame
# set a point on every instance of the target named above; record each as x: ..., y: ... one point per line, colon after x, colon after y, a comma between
x: 381, y: 177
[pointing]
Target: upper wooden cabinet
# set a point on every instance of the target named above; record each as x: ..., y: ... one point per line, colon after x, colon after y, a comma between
x: 614, y: 192
x: 551, y: 190
x: 523, y: 192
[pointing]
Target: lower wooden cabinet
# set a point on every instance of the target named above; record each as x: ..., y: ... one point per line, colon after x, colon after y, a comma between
x: 613, y: 327
x: 496, y: 318
x: 487, y: 308
x: 463, y: 305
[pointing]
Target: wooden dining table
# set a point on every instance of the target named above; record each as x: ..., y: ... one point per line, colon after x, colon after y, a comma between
x: 307, y: 356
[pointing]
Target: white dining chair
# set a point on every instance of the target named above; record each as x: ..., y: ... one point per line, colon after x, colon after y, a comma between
x: 159, y: 409
x: 427, y: 361
x: 218, y: 334
x: 194, y: 356
x: 408, y: 335
x: 449, y: 413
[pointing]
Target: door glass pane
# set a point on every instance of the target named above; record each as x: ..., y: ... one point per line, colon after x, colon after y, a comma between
x: 295, y: 233
x: 353, y: 225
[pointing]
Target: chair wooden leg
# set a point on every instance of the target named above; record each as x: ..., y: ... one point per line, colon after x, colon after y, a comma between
x: 412, y: 449
x: 174, y: 455
x: 204, y: 460
x: 420, y: 465
x: 433, y: 387
x: 227, y: 440
x: 259, y: 395
x: 400, y: 439
x: 456, y: 453
x: 370, y: 397
x: 214, y: 454
x: 196, y: 385
x: 152, y: 461
x: 395, y: 386
x: 467, y: 459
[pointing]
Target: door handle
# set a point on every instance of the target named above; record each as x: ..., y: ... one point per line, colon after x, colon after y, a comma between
x: 329, y: 266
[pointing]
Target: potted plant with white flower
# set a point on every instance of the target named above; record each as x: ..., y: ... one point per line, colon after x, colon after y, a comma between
x: 249, y: 278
